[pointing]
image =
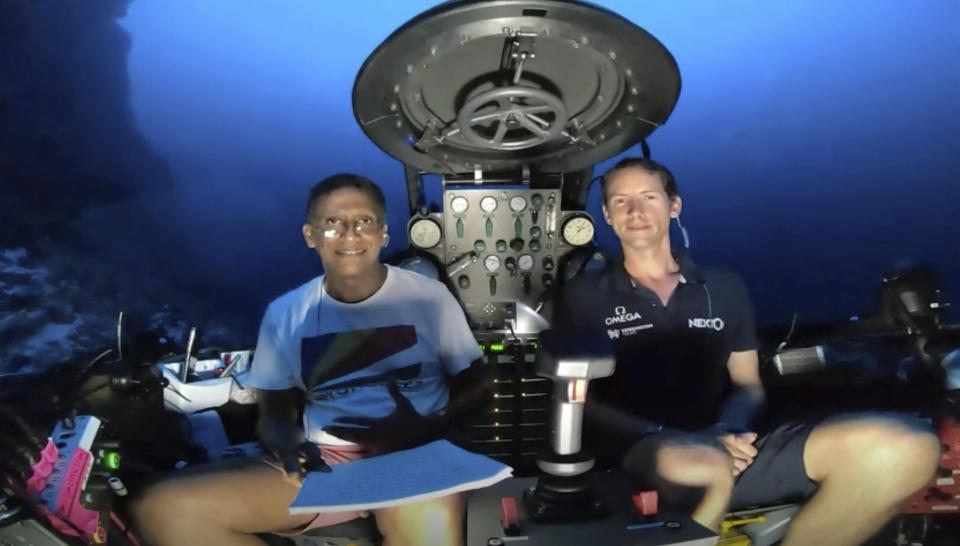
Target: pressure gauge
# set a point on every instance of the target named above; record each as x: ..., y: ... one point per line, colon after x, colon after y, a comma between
x: 459, y: 204
x: 577, y: 230
x: 488, y: 204
x: 492, y: 263
x: 525, y: 262
x: 518, y: 203
x: 425, y: 233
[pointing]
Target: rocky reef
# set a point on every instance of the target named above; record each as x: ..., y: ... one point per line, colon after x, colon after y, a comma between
x: 69, y: 146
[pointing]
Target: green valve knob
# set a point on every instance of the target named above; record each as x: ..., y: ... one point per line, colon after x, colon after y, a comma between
x: 535, y: 245
x: 460, y: 228
x: 501, y: 246
x: 517, y: 227
x: 480, y: 246
x: 535, y: 232
x: 489, y: 227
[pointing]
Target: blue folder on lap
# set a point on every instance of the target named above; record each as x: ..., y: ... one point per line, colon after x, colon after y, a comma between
x: 429, y: 471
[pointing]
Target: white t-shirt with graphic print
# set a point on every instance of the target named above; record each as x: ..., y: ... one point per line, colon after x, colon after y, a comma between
x: 343, y: 355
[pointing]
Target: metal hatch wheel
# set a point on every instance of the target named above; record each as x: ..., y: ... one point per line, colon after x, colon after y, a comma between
x: 538, y: 112
x: 495, y: 85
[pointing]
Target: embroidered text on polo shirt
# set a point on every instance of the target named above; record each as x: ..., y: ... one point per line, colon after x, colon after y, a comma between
x: 710, y: 323
x: 620, y: 316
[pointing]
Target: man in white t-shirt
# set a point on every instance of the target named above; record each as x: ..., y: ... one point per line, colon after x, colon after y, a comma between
x: 376, y: 359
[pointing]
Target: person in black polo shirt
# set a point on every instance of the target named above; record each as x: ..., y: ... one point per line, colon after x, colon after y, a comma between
x: 681, y: 404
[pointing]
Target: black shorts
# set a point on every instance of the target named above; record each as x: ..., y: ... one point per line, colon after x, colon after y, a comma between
x: 776, y: 476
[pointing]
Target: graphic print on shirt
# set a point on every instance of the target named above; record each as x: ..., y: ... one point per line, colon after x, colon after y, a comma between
x: 326, y: 357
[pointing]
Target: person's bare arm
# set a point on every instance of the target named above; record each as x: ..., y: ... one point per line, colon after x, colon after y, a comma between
x: 404, y: 427
x: 282, y: 435
x: 469, y: 390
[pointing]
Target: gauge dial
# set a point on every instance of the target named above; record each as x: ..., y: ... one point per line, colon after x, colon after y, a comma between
x: 488, y: 204
x: 518, y: 203
x: 525, y: 262
x: 577, y: 231
x: 459, y: 204
x: 492, y: 263
x: 425, y: 233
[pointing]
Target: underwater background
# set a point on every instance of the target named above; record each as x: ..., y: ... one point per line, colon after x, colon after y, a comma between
x: 155, y: 156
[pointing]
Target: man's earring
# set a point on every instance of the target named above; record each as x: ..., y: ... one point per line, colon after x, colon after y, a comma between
x: 386, y: 239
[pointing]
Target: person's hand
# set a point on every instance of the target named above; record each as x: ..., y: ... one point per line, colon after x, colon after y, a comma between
x: 741, y: 448
x: 402, y: 429
x: 297, y: 456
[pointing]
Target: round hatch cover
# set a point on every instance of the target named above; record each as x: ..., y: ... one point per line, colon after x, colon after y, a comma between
x: 556, y: 85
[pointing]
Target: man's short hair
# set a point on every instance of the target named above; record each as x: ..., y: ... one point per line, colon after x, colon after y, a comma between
x: 666, y: 177
x: 340, y: 181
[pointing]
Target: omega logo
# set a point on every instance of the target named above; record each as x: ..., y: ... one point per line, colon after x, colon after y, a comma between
x: 620, y: 315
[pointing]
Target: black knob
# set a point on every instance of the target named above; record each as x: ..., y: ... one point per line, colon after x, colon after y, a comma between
x: 526, y: 284
x: 547, y: 280
x: 517, y: 244
x: 493, y: 286
x: 548, y: 264
x: 463, y: 281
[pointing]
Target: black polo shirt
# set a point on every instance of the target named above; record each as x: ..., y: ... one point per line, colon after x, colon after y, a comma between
x: 671, y: 361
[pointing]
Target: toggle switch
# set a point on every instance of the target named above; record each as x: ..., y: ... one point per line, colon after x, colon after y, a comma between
x: 645, y: 503
x: 511, y: 264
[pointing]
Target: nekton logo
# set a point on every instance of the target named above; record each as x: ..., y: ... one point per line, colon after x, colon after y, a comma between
x: 620, y: 315
x: 713, y: 323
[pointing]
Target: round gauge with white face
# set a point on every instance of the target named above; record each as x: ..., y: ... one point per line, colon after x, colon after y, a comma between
x: 518, y: 203
x: 425, y: 233
x: 577, y: 230
x: 459, y: 204
x: 488, y: 204
x: 525, y: 262
x: 492, y: 263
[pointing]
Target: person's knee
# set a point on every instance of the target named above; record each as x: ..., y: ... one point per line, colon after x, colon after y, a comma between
x: 903, y: 449
x: 169, y: 501
x: 438, y: 521
x: 897, y: 450
x: 695, y: 465
x: 156, y: 507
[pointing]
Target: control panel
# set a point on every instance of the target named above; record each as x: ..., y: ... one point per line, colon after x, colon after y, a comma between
x: 515, y: 427
x: 500, y: 246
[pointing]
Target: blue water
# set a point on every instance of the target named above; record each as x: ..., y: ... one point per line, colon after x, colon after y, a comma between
x: 815, y: 143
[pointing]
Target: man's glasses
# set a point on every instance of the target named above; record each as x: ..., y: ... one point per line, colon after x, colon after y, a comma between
x: 337, y: 227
